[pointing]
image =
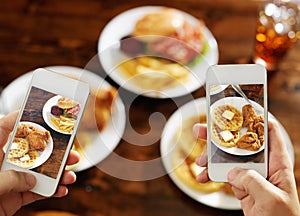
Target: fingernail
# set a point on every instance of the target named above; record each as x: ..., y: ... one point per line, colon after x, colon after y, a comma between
x: 30, y: 179
x: 198, y: 160
x: 232, y: 174
x: 196, y: 130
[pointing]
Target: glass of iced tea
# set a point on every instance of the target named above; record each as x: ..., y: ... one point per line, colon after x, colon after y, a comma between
x: 276, y: 32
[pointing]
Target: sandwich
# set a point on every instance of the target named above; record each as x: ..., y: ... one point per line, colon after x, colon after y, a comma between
x: 165, y: 34
x: 66, y: 107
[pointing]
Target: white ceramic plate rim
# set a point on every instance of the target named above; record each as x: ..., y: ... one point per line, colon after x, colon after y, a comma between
x: 220, y: 199
x: 238, y: 103
x: 105, y: 142
x: 122, y: 25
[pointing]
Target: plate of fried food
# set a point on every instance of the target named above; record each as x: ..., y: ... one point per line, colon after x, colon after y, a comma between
x: 237, y: 126
x: 179, y: 149
x: 31, y: 146
x: 102, y: 124
x: 157, y: 52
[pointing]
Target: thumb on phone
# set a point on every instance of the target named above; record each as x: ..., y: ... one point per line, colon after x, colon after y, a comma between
x: 249, y: 183
x: 13, y: 181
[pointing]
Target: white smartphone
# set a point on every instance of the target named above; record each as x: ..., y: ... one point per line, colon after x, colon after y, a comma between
x: 45, y: 128
x: 237, y: 130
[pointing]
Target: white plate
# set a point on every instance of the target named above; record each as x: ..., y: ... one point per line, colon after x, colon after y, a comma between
x: 102, y: 143
x: 238, y: 103
x: 47, y: 113
x: 43, y: 155
x: 217, y: 199
x: 122, y: 25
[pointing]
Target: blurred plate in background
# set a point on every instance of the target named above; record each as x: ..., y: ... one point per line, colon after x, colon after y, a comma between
x: 111, y: 57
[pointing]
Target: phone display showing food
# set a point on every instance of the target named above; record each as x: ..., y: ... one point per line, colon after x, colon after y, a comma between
x: 229, y: 121
x: 45, y: 128
x: 42, y: 136
x: 237, y: 124
x: 162, y: 47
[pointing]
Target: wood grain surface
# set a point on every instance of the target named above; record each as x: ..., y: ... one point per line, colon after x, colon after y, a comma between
x: 38, y: 33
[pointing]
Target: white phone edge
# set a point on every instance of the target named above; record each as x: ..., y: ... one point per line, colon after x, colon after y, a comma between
x: 59, y: 84
x: 236, y: 74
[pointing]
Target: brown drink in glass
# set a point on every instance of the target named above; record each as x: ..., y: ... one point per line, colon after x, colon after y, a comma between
x: 275, y: 33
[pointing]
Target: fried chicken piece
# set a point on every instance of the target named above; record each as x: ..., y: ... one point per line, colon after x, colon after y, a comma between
x: 259, y: 128
x: 248, y: 114
x: 105, y: 98
x: 98, y: 109
x: 258, y: 119
x: 24, y: 130
x: 249, y: 141
x: 38, y: 140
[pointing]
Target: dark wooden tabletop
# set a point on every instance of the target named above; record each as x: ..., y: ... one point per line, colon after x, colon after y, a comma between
x: 42, y: 33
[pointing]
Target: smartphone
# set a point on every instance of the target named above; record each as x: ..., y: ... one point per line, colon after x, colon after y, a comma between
x: 45, y: 128
x: 237, y: 130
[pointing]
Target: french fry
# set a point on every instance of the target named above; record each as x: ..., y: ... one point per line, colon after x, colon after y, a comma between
x: 63, y: 123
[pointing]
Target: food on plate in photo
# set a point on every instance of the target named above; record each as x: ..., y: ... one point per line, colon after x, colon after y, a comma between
x: 24, y: 130
x: 162, y: 46
x: 28, y: 143
x: 65, y: 113
x: 38, y: 139
x: 27, y: 161
x: 183, y: 158
x: 227, y: 122
x: 66, y: 107
x: 227, y: 117
x: 249, y: 141
x: 224, y: 138
x: 18, y: 148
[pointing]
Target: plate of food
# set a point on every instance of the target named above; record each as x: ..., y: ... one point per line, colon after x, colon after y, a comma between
x: 179, y: 148
x: 157, y: 51
x: 60, y: 113
x: 31, y: 147
x: 102, y: 124
x: 237, y: 127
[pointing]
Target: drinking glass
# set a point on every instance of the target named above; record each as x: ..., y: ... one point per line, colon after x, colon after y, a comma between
x: 276, y: 32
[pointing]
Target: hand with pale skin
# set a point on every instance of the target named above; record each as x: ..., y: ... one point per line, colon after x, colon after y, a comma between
x: 15, y: 186
x: 275, y: 196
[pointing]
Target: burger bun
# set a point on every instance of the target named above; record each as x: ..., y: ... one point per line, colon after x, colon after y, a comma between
x: 66, y: 103
x: 162, y: 23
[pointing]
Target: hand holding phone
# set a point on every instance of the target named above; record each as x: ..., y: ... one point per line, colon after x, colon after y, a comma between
x: 237, y: 119
x: 42, y: 137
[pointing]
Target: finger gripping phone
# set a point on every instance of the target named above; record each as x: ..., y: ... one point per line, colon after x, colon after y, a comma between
x: 237, y: 128
x: 45, y: 128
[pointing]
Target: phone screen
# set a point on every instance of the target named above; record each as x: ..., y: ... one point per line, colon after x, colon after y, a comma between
x: 237, y: 128
x: 43, y: 132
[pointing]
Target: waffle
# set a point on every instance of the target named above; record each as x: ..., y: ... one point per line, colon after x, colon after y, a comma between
x: 33, y: 154
x: 215, y: 134
x: 223, y: 123
x: 22, y: 148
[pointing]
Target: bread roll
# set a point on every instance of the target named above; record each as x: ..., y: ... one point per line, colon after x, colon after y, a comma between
x: 164, y: 23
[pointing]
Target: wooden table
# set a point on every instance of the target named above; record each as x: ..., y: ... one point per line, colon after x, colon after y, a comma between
x: 45, y: 33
